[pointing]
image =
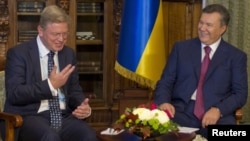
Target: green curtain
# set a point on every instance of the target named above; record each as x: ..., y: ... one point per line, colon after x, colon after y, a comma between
x: 238, y: 34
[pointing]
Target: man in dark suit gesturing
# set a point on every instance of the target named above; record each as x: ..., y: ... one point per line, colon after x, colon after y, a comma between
x: 30, y: 86
x: 224, y: 87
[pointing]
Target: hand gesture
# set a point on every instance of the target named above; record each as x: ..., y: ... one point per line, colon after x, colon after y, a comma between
x: 82, y: 111
x: 59, y: 79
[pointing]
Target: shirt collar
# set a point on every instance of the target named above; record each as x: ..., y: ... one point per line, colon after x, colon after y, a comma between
x: 213, y: 46
x: 43, y: 51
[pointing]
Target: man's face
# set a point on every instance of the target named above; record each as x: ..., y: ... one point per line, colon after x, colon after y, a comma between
x: 54, y: 35
x: 210, y: 28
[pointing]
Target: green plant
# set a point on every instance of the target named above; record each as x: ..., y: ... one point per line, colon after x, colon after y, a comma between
x: 146, y: 122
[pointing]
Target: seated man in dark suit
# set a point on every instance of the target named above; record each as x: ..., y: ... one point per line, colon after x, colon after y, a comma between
x: 217, y: 89
x: 34, y: 80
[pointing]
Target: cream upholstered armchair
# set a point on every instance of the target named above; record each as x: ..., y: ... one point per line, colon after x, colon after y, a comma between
x: 12, y: 121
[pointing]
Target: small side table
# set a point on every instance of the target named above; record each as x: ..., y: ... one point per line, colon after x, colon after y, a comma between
x: 126, y: 136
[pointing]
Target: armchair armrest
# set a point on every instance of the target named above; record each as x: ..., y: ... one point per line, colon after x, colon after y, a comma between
x: 12, y: 121
x: 238, y: 115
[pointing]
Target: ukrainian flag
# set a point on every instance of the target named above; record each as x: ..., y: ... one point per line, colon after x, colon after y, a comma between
x: 141, y: 54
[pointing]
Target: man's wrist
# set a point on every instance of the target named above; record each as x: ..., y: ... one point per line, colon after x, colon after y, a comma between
x: 217, y: 109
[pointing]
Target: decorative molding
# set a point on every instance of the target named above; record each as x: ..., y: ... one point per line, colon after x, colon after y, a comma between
x: 117, y: 10
x: 4, y: 21
x: 117, y: 13
x: 64, y: 4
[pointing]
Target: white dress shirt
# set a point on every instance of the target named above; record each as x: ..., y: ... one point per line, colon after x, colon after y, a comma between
x: 43, y: 54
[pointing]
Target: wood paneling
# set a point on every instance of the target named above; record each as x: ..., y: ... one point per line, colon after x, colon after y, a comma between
x: 180, y: 21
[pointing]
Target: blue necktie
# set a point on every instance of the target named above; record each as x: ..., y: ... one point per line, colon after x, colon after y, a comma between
x: 55, y: 112
x: 199, y: 102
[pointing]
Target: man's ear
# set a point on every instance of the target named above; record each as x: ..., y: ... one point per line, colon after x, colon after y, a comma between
x: 223, y: 29
x: 40, y: 30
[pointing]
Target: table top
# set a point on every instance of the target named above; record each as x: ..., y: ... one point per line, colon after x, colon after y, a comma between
x: 126, y: 136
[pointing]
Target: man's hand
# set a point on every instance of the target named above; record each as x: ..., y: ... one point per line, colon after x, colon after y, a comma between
x: 211, y: 117
x: 59, y: 79
x: 169, y: 107
x: 82, y: 111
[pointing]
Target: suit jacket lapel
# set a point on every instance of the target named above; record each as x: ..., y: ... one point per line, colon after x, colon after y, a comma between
x: 62, y: 63
x: 34, y: 58
x: 218, y: 57
x: 61, y: 59
x: 196, y: 58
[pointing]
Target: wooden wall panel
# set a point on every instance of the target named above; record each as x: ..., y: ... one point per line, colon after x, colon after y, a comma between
x: 180, y: 21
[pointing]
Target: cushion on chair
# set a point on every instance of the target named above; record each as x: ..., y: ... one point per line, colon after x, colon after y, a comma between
x: 2, y: 90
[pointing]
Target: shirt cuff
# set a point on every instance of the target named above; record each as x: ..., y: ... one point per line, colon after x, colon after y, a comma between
x: 52, y: 89
x: 89, y: 113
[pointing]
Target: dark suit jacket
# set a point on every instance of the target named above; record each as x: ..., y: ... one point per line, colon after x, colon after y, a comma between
x: 24, y: 86
x: 225, y: 85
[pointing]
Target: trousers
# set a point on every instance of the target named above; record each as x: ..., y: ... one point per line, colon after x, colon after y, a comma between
x: 37, y: 128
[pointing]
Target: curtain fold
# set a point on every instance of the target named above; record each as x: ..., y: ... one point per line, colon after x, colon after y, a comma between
x: 238, y: 34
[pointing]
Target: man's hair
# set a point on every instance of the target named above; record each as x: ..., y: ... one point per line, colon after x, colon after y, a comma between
x: 53, y: 14
x: 225, y: 16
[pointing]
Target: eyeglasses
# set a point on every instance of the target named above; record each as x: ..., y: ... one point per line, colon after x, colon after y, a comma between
x: 58, y: 35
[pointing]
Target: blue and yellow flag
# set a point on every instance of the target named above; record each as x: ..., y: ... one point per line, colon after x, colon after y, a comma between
x: 141, y: 55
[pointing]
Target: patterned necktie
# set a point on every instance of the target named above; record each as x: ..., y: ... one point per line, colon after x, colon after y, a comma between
x: 55, y: 112
x: 199, y: 102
